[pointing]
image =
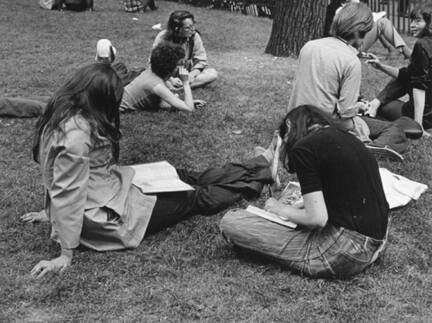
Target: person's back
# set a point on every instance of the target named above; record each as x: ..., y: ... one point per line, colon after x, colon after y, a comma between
x: 325, y: 66
x: 140, y: 95
x: 349, y: 179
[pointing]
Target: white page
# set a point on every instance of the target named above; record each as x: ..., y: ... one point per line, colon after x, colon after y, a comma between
x: 270, y: 216
x: 158, y: 177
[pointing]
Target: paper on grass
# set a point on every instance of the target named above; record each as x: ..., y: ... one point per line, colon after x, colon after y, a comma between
x: 270, y: 216
x: 158, y: 177
x: 399, y: 190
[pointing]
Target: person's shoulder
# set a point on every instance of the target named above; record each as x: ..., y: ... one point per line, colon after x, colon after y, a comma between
x: 162, y: 34
x: 77, y: 134
x: 423, y: 43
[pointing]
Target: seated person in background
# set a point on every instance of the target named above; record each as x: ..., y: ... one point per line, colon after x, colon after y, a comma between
x: 329, y: 76
x: 149, y: 92
x: 415, y: 79
x: 384, y: 31
x: 181, y: 31
x: 344, y: 216
x: 138, y: 5
x: 92, y: 201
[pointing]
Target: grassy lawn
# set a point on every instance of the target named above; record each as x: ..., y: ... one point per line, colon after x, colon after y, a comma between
x: 186, y: 273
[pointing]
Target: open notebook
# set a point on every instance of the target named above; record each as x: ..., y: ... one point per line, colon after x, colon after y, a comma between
x: 289, y: 196
x: 158, y: 177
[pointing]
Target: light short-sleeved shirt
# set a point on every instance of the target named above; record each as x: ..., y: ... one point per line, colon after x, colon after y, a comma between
x: 140, y: 93
x: 328, y: 77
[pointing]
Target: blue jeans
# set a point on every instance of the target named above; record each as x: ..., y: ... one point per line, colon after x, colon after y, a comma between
x: 328, y: 253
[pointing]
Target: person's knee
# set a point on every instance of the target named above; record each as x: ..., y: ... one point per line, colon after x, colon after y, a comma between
x: 212, y: 74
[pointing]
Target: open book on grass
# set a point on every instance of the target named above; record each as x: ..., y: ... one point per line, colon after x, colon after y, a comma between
x: 158, y: 177
x: 289, y: 196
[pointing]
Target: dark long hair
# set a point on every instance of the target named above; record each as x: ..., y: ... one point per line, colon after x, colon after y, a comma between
x: 302, y: 121
x: 94, y: 92
x: 164, y: 59
x: 175, y: 23
x: 425, y: 12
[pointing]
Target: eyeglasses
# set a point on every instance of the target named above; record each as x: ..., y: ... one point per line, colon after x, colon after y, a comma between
x: 189, y: 28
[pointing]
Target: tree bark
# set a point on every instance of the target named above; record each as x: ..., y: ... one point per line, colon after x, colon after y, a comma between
x: 295, y: 22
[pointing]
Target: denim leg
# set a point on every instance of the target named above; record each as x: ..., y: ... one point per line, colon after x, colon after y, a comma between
x: 386, y: 133
x: 326, y: 253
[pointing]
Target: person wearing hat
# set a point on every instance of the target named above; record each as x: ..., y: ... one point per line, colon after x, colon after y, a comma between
x: 329, y: 77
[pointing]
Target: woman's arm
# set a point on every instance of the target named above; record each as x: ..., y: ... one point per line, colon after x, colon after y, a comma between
x: 314, y: 214
x: 389, y: 70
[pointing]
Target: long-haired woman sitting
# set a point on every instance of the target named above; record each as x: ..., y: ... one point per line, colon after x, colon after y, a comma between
x: 343, y: 220
x: 90, y: 200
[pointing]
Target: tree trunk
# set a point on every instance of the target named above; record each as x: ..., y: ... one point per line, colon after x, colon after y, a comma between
x: 295, y: 22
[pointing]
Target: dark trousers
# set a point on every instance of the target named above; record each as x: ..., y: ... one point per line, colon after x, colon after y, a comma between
x: 215, y: 190
x: 391, y: 108
x: 385, y: 133
x: 23, y: 108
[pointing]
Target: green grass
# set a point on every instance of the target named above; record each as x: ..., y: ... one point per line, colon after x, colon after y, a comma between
x: 187, y: 272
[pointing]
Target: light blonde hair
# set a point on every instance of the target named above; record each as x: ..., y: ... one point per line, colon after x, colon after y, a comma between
x: 353, y: 17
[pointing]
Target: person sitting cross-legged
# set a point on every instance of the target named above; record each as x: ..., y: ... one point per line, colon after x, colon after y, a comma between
x: 329, y: 77
x: 181, y: 30
x: 343, y: 220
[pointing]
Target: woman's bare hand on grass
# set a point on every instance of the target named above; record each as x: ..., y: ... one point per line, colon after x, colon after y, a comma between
x: 30, y: 217
x: 57, y: 265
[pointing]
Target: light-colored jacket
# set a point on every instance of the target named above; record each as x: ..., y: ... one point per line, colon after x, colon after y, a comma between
x: 89, y: 200
x: 196, y: 57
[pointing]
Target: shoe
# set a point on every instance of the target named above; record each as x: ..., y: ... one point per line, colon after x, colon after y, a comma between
x: 412, y: 129
x: 384, y: 152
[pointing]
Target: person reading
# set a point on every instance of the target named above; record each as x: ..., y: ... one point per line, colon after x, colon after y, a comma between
x: 92, y: 201
x: 343, y: 221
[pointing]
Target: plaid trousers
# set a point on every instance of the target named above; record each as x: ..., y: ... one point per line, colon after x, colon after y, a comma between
x: 327, y: 253
x: 133, y: 5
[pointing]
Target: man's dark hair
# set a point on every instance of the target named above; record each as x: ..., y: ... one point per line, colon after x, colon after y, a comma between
x: 164, y: 59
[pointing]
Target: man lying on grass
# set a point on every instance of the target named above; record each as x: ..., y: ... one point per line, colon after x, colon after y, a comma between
x: 149, y: 91
x: 343, y: 220
x: 92, y: 201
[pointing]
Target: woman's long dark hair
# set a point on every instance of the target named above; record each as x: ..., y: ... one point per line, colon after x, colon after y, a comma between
x: 94, y: 92
x: 175, y: 23
x: 425, y: 12
x: 297, y: 124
